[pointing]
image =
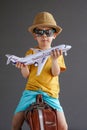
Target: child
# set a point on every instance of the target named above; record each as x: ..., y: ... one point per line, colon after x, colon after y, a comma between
x: 44, y: 30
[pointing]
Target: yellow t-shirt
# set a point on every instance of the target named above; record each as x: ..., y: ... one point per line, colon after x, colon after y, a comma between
x: 45, y: 81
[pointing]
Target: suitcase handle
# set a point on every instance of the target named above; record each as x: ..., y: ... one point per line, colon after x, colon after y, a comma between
x: 39, y: 98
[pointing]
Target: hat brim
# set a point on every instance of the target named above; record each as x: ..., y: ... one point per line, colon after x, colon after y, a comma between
x: 58, y: 28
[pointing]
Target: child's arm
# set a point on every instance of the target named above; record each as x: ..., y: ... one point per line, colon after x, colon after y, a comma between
x: 55, y: 67
x: 24, y: 69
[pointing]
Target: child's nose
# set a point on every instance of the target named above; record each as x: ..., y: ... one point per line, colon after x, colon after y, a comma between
x: 44, y: 35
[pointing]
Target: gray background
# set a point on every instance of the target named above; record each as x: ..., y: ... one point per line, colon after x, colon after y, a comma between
x: 71, y: 15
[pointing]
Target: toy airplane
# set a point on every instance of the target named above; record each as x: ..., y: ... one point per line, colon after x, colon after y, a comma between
x: 39, y: 58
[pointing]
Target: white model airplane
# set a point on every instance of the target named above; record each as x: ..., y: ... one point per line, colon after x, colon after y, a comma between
x: 39, y: 58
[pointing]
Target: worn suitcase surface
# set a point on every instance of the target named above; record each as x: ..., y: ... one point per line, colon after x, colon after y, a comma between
x: 40, y: 116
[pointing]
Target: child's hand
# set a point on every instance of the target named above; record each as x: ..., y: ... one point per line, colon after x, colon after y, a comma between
x: 20, y: 65
x: 24, y: 69
x: 56, y: 53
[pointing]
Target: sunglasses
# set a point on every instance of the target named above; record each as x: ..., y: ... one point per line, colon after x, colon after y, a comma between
x: 40, y: 32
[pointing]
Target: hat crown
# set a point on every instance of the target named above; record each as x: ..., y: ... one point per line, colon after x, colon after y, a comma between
x: 44, y: 18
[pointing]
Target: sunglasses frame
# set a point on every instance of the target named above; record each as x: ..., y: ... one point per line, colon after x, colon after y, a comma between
x: 41, y: 32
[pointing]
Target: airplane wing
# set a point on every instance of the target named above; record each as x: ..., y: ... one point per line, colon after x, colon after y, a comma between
x: 41, y: 64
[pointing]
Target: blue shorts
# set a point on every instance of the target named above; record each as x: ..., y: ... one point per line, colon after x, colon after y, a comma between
x: 29, y: 97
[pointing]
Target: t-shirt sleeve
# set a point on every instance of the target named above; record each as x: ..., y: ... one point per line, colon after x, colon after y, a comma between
x: 29, y: 52
x: 61, y: 63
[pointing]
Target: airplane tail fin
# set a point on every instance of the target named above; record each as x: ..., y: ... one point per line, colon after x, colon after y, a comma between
x: 8, y: 60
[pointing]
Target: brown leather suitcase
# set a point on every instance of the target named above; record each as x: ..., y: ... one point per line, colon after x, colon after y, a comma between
x: 40, y: 116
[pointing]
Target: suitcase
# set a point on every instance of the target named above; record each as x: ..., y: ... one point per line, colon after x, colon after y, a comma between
x: 40, y: 116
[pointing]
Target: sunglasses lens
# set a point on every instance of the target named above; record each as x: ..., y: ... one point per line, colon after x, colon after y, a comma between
x: 49, y: 32
x: 40, y: 32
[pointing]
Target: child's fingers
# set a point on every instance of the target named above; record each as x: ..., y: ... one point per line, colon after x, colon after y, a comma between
x: 56, y: 53
x: 61, y: 52
x: 19, y: 65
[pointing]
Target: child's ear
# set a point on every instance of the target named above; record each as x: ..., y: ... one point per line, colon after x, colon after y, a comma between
x: 54, y: 36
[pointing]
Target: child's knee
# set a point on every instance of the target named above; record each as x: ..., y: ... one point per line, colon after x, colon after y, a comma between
x: 62, y: 124
x: 65, y: 127
x: 17, y: 121
x: 14, y: 123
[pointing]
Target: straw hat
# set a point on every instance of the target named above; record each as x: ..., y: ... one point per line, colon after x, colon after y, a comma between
x: 44, y: 19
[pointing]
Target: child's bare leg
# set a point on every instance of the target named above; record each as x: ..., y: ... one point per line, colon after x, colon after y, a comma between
x: 62, y: 124
x: 17, y: 121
